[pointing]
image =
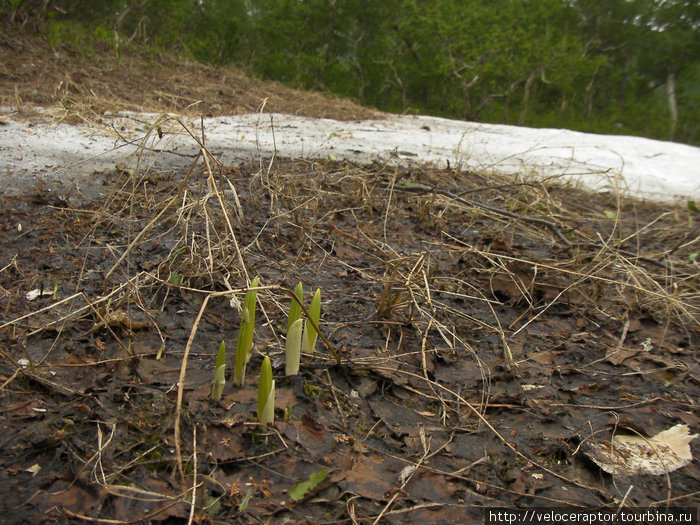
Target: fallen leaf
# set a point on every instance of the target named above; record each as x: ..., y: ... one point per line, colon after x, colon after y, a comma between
x: 369, y: 477
x: 627, y: 455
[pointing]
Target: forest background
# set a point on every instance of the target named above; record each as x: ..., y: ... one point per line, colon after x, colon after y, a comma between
x: 604, y: 66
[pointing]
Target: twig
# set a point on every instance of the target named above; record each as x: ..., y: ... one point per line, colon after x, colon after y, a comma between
x: 193, y: 499
x: 181, y: 382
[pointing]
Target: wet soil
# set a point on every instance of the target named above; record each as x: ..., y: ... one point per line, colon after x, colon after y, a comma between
x: 483, y: 332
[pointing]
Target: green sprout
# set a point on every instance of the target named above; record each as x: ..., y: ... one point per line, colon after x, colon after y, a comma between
x: 293, y: 348
x: 219, y: 379
x: 244, y: 346
x: 159, y: 355
x: 308, y: 340
x: 266, y: 395
x: 295, y: 307
x: 295, y: 327
x: 244, y: 504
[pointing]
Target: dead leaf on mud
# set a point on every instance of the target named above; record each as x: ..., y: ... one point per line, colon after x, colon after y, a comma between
x: 371, y: 477
x: 544, y: 358
x: 347, y: 253
x: 223, y: 443
x: 523, y: 482
x: 155, y: 501
x: 626, y: 455
x: 617, y: 356
x: 309, y: 434
x: 155, y: 372
x: 399, y: 418
x: 71, y: 497
x: 427, y: 486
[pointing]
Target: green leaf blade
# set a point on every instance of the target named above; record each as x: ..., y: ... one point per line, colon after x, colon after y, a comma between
x: 317, y: 477
x: 244, y: 344
x: 268, y: 414
x: 300, y: 490
x: 310, y: 334
x: 295, y: 307
x: 219, y: 382
x: 265, y: 390
x: 293, y: 348
x: 219, y: 373
x: 249, y: 304
x: 221, y: 355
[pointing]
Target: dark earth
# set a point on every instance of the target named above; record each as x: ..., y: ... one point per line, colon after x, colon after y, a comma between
x: 483, y: 332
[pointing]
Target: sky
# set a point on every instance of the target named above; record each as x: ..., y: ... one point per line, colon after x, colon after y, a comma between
x: 45, y: 148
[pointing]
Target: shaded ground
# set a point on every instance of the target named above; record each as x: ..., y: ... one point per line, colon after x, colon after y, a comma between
x: 431, y: 280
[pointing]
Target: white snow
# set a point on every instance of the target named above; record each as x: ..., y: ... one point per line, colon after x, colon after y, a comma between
x: 45, y: 147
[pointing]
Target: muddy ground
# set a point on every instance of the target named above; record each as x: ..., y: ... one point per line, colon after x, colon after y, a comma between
x: 484, y: 332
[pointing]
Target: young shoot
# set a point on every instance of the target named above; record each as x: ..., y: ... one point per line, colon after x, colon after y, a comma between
x: 293, y: 348
x: 266, y: 395
x: 244, y: 346
x: 219, y: 378
x: 295, y: 307
x: 308, y: 340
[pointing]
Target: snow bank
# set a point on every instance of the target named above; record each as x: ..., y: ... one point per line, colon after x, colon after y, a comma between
x: 41, y: 147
